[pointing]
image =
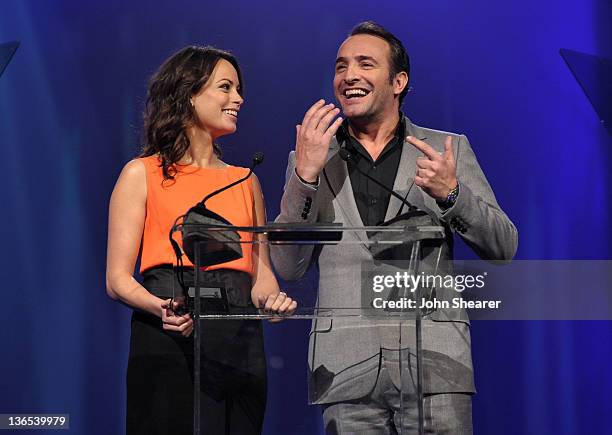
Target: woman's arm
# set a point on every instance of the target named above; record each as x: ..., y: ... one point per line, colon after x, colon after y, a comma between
x: 266, y: 293
x: 127, y: 211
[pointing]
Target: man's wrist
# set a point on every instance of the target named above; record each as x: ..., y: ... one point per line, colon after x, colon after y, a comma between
x: 305, y: 181
x: 450, y: 199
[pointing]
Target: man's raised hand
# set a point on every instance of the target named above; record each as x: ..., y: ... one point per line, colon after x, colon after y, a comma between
x: 313, y: 137
x: 436, y: 173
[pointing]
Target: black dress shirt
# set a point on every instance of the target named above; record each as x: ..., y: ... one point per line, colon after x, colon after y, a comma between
x: 372, y: 200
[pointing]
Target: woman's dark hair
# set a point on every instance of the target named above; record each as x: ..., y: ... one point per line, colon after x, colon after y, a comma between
x: 168, y: 110
x: 399, y: 60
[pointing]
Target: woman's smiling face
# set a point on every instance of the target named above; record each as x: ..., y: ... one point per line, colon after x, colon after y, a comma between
x: 217, y: 104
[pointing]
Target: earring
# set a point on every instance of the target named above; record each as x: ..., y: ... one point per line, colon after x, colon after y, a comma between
x: 191, y: 101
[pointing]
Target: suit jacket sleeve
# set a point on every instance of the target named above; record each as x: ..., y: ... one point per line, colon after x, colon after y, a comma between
x: 298, y: 205
x: 476, y: 216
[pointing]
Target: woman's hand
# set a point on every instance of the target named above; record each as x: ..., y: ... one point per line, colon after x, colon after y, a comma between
x: 266, y: 294
x: 274, y: 302
x: 172, y: 322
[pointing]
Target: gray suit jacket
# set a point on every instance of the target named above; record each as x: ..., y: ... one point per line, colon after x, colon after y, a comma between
x: 344, y: 353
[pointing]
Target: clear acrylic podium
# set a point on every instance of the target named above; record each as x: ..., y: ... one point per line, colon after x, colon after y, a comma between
x: 214, y: 238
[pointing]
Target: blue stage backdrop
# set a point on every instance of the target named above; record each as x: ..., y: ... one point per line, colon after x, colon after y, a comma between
x: 70, y: 116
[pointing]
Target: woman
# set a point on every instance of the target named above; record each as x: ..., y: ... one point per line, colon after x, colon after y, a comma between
x: 193, y: 99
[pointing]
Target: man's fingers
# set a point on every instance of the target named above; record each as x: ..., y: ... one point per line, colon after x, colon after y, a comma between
x: 424, y: 163
x: 313, y: 109
x: 448, y: 149
x: 424, y: 148
x: 311, y: 112
x: 327, y: 120
x: 425, y: 174
x: 317, y: 118
x: 333, y: 129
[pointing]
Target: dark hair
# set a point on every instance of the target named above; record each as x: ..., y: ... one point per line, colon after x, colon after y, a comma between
x: 168, y: 110
x: 398, y: 61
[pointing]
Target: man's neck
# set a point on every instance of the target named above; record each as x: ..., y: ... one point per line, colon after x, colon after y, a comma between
x: 374, y: 135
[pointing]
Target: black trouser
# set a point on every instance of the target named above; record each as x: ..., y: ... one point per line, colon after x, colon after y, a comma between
x: 160, y: 377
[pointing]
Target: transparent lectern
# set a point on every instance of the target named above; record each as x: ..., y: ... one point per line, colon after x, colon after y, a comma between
x: 209, y: 244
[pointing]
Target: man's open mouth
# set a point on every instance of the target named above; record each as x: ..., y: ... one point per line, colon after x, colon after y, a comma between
x: 355, y: 93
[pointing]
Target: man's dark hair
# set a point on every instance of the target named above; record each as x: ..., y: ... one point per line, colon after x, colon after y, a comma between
x: 398, y: 61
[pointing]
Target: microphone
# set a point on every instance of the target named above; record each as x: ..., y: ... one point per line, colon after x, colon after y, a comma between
x: 221, y: 245
x: 382, y: 249
x: 348, y: 157
x: 258, y: 158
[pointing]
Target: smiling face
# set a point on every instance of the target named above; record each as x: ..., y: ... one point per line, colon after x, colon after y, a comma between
x: 217, y: 104
x: 362, y: 82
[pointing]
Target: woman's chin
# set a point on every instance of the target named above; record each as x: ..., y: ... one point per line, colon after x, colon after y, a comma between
x: 229, y: 131
x: 225, y: 130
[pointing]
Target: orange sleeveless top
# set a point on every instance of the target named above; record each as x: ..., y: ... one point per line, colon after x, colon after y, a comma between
x: 168, y: 199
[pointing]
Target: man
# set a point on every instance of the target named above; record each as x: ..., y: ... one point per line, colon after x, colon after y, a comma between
x: 354, y: 370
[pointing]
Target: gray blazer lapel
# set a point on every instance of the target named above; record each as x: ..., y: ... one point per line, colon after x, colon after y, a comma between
x: 403, y: 184
x: 336, y: 173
